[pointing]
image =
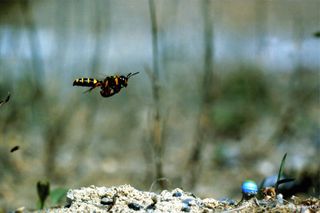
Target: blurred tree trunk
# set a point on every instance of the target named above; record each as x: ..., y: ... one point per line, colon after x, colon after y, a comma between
x: 54, y: 130
x: 101, y: 7
x: 157, y: 139
x: 54, y: 136
x: 194, y: 162
x: 292, y: 107
x: 37, y: 62
x: 168, y: 52
x: 261, y: 22
x: 63, y: 26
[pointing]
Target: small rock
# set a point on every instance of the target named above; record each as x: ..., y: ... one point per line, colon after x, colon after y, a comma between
x: 134, y: 206
x: 177, y: 194
x: 280, y: 199
x: 185, y: 207
x: 151, y: 207
x: 106, y: 201
x: 227, y: 201
x: 189, y: 201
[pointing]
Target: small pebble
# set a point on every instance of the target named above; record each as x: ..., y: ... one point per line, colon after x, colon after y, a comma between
x: 280, y: 199
x: 227, y: 201
x: 177, y: 194
x: 106, y: 201
x: 188, y: 201
x: 185, y: 207
x: 151, y: 207
x: 134, y: 206
x: 263, y: 202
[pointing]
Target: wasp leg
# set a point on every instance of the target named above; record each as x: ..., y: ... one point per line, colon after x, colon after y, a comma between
x: 89, y: 90
x: 107, y: 92
x: 93, y: 87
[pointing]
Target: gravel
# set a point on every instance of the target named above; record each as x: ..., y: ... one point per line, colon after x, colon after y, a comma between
x: 125, y: 198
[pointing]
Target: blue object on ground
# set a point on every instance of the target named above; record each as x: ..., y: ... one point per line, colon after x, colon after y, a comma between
x: 249, y: 188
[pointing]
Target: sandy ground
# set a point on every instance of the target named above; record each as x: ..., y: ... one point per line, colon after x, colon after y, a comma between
x: 125, y: 198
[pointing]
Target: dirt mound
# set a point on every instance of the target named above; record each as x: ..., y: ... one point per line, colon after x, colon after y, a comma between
x: 125, y: 198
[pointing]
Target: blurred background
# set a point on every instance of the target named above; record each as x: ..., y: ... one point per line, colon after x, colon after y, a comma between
x: 225, y: 89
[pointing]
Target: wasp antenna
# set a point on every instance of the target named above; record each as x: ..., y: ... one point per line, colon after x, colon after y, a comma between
x: 132, y: 74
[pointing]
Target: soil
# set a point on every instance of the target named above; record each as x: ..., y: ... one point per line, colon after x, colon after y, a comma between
x: 125, y: 198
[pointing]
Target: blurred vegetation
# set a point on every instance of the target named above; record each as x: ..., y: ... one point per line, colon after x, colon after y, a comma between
x: 57, y: 195
x: 241, y: 98
x: 262, y: 100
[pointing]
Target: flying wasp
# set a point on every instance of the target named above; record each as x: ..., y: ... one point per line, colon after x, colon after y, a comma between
x: 109, y: 86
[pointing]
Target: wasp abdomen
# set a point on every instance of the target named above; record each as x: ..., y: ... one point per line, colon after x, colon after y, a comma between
x: 85, y: 82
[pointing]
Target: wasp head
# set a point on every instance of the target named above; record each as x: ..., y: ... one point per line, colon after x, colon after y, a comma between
x: 123, y: 80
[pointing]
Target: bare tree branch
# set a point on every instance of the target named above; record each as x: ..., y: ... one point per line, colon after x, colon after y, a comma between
x: 157, y: 139
x: 194, y: 162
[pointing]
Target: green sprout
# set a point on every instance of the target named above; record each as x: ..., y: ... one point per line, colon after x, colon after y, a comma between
x: 280, y: 174
x: 43, y: 189
x: 57, y: 195
x: 279, y: 180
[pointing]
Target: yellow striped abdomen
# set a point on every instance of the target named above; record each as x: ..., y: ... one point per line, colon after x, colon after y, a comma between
x: 85, y: 82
